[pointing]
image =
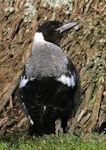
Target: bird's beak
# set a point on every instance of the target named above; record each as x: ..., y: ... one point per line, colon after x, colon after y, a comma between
x: 67, y: 26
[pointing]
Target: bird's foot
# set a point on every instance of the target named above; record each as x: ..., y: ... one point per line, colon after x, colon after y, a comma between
x: 58, y: 127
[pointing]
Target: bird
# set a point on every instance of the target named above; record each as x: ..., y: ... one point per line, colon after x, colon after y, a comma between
x: 49, y: 84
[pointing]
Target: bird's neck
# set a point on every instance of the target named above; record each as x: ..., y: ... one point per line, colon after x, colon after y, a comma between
x: 38, y: 37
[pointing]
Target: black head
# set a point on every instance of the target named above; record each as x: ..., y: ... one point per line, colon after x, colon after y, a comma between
x: 52, y: 30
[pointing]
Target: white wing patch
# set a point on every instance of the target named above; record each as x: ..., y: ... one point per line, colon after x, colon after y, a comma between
x: 23, y: 82
x: 69, y: 81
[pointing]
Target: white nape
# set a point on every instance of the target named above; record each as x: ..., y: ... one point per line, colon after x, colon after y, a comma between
x: 69, y: 81
x: 23, y: 82
x: 38, y: 37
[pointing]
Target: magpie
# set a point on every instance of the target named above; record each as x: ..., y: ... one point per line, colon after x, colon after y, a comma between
x: 49, y: 82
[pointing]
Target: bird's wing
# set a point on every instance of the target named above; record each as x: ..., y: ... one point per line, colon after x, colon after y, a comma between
x: 69, y: 78
x: 24, y: 80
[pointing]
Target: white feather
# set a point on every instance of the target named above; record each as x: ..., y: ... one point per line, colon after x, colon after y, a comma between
x: 31, y: 121
x: 44, y: 107
x: 69, y: 81
x: 29, y: 117
x: 23, y: 82
x: 38, y: 37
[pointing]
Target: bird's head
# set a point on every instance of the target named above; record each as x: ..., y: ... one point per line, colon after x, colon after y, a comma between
x: 53, y: 30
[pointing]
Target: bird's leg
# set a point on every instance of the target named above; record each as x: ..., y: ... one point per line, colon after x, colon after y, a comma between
x: 36, y: 116
x: 58, y: 127
x: 66, y: 115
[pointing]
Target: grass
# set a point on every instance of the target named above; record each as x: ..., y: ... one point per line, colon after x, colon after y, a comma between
x: 22, y: 141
